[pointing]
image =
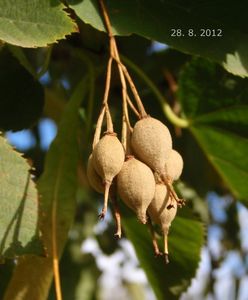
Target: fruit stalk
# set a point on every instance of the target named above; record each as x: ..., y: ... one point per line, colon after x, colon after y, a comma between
x: 169, y: 113
x: 156, y: 250
x: 117, y: 214
x: 115, y: 54
x: 98, y: 127
x: 105, y: 97
x: 106, y: 196
x: 130, y: 103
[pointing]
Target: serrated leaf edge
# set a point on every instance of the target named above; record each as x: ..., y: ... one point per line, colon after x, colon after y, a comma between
x: 29, y: 169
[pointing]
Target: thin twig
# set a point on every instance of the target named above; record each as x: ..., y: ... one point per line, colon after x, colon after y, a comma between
x: 131, y: 83
x: 134, y: 91
x: 128, y: 143
x: 125, y: 111
x: 124, y: 99
x: 169, y: 113
x: 107, y: 83
x: 106, y: 18
x: 117, y: 217
x: 117, y: 214
x: 154, y: 240
x: 173, y: 194
x: 115, y: 54
x: 110, y: 127
x: 171, y: 81
x: 98, y: 127
x: 130, y: 103
x: 56, y: 272
x: 105, y: 108
x: 106, y: 95
x: 124, y: 133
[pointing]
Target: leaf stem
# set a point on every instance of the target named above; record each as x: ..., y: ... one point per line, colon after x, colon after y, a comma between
x: 56, y: 272
x: 169, y: 113
x: 55, y: 250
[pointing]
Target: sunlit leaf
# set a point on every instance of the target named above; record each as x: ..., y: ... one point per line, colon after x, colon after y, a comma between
x: 185, y: 242
x: 57, y: 186
x: 19, y: 206
x: 35, y: 23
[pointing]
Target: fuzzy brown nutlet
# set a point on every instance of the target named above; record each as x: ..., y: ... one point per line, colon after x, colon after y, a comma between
x: 136, y: 186
x: 151, y: 142
x: 174, y: 166
x: 108, y: 158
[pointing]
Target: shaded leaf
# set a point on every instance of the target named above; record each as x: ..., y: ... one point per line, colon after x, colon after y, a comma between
x: 57, y: 186
x: 195, y: 163
x: 217, y: 105
x: 19, y: 206
x: 22, y: 97
x: 185, y: 241
x: 157, y: 19
x: 35, y: 23
x: 6, y: 270
x: 22, y: 58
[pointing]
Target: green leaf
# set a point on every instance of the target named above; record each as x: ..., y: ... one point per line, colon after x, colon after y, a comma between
x: 18, y: 53
x: 57, y: 187
x: 22, y: 97
x: 35, y: 23
x: 19, y: 206
x: 216, y: 103
x: 185, y: 241
x: 157, y: 20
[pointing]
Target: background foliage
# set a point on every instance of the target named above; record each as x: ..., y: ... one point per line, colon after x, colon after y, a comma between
x: 201, y: 78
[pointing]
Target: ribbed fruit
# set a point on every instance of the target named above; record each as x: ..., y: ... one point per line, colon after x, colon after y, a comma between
x: 108, y: 157
x: 151, y: 142
x: 136, y: 186
x: 162, y: 211
x: 94, y: 179
x: 174, y: 166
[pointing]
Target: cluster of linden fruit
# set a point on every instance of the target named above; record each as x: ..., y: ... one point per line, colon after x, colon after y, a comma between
x: 143, y: 177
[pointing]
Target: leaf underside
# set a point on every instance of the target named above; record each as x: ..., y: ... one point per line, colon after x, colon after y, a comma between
x: 19, y: 206
x: 185, y: 242
x: 57, y: 187
x: 216, y: 103
x: 157, y: 20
